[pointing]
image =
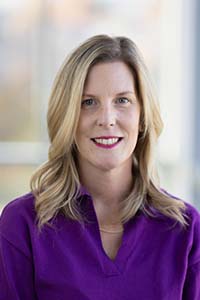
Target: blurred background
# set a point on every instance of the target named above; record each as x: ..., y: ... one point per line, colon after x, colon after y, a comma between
x: 36, y: 36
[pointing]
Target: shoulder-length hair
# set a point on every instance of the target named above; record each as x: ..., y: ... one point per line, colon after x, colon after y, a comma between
x: 56, y: 183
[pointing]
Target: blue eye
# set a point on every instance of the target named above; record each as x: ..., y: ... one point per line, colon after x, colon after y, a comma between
x: 123, y: 100
x: 87, y: 102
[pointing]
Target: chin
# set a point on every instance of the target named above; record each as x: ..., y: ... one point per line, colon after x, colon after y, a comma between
x: 108, y: 165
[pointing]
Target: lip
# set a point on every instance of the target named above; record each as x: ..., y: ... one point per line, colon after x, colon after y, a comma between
x: 107, y: 137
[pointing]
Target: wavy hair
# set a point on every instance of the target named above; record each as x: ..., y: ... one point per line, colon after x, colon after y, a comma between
x: 56, y: 183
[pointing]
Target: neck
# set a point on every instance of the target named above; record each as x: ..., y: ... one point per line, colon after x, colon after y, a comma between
x: 108, y: 189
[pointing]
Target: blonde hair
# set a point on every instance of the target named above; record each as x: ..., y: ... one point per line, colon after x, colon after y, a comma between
x: 56, y: 183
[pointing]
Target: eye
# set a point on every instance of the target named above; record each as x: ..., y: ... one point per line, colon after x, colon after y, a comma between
x: 122, y: 100
x: 87, y: 102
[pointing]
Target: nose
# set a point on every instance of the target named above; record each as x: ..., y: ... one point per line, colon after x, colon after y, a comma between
x: 106, y: 116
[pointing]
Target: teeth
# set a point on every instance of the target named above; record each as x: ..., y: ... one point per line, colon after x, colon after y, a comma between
x: 106, y: 141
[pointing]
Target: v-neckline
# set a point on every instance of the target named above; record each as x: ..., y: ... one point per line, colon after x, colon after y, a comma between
x: 111, y: 243
x: 116, y: 266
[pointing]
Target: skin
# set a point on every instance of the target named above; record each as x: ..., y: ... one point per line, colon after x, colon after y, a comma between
x: 107, y: 173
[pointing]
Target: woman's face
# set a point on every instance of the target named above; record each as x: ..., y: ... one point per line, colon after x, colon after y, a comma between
x: 109, y: 120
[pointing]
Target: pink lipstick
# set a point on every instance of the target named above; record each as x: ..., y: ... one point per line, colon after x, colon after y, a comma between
x: 107, y: 142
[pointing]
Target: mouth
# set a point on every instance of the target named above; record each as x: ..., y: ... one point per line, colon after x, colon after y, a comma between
x: 107, y: 142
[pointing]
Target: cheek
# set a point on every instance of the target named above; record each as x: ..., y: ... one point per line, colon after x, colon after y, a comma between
x: 84, y: 124
x: 131, y: 121
x: 83, y: 132
x: 80, y: 129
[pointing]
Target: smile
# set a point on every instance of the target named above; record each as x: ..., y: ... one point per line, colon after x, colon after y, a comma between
x: 107, y: 142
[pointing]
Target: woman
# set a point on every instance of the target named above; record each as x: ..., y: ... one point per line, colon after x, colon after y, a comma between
x: 96, y: 224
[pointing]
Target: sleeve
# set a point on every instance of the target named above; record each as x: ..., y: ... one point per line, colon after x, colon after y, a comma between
x: 16, y: 273
x: 192, y: 283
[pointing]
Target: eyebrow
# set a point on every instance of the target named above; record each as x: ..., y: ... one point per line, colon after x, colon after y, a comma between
x: 118, y: 94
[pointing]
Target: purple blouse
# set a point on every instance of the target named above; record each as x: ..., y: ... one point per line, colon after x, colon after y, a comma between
x: 157, y: 260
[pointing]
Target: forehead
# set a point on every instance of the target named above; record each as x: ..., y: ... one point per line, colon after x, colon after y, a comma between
x: 109, y: 77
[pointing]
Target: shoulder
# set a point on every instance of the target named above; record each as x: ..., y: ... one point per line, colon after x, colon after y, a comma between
x: 194, y: 233
x: 188, y: 236
x: 19, y: 208
x: 18, y: 219
x: 192, y: 212
x: 21, y: 202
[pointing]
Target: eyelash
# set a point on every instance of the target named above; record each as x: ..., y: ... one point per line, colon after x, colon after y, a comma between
x: 85, y: 102
x: 124, y: 99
